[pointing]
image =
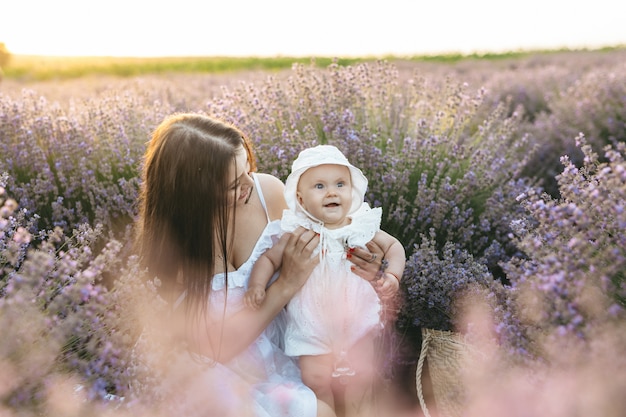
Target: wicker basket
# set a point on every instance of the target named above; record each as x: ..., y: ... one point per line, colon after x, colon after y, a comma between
x: 444, y: 351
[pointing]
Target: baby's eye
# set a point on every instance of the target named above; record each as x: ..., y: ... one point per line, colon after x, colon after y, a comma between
x: 341, y: 184
x: 319, y: 186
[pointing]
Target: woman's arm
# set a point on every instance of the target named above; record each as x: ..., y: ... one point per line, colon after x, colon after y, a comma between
x: 239, y: 330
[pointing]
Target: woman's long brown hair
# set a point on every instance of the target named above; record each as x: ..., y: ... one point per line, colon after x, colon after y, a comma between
x: 184, y: 210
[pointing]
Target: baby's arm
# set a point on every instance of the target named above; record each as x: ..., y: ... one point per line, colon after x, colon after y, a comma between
x: 262, y: 272
x: 389, y: 283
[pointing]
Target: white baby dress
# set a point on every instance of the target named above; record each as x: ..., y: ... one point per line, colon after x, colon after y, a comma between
x: 335, y: 307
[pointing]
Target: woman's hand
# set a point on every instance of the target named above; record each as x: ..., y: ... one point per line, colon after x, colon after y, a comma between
x: 239, y: 330
x: 369, y: 264
x: 366, y: 261
x: 298, y: 260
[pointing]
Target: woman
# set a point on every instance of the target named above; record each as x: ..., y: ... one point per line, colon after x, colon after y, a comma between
x: 202, y: 211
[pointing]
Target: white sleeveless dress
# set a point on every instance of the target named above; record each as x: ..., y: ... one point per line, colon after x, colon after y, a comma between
x: 273, y: 378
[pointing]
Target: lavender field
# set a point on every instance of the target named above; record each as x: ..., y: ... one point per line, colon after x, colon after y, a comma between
x: 506, y: 173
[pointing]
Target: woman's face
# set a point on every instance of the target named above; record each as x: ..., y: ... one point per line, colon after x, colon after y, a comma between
x: 240, y: 184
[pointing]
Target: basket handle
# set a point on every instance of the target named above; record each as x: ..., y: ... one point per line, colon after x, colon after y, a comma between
x: 418, y: 374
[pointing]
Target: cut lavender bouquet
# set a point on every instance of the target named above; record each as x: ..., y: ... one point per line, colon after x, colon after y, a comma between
x: 435, y: 283
x: 437, y: 287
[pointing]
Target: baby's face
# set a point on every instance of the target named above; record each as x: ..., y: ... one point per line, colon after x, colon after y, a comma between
x: 325, y: 191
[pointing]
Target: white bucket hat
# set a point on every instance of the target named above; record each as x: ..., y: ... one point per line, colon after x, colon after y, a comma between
x: 323, y: 155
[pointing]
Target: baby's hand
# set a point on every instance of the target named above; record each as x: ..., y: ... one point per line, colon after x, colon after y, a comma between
x: 254, y: 297
x: 387, y: 286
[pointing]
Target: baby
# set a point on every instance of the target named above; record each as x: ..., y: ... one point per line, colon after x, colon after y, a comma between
x: 336, y: 314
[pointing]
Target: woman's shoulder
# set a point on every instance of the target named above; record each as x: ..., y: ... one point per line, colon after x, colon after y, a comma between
x: 273, y: 193
x: 269, y: 181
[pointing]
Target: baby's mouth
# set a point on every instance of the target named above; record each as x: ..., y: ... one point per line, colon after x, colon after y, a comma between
x: 332, y: 205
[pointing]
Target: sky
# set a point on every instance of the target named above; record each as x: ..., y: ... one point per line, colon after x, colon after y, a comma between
x: 338, y: 28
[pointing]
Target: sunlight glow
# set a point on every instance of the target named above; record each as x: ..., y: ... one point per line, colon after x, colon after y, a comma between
x: 323, y: 28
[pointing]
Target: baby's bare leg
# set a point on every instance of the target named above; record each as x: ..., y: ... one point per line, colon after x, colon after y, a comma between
x: 358, y: 391
x: 316, y: 374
